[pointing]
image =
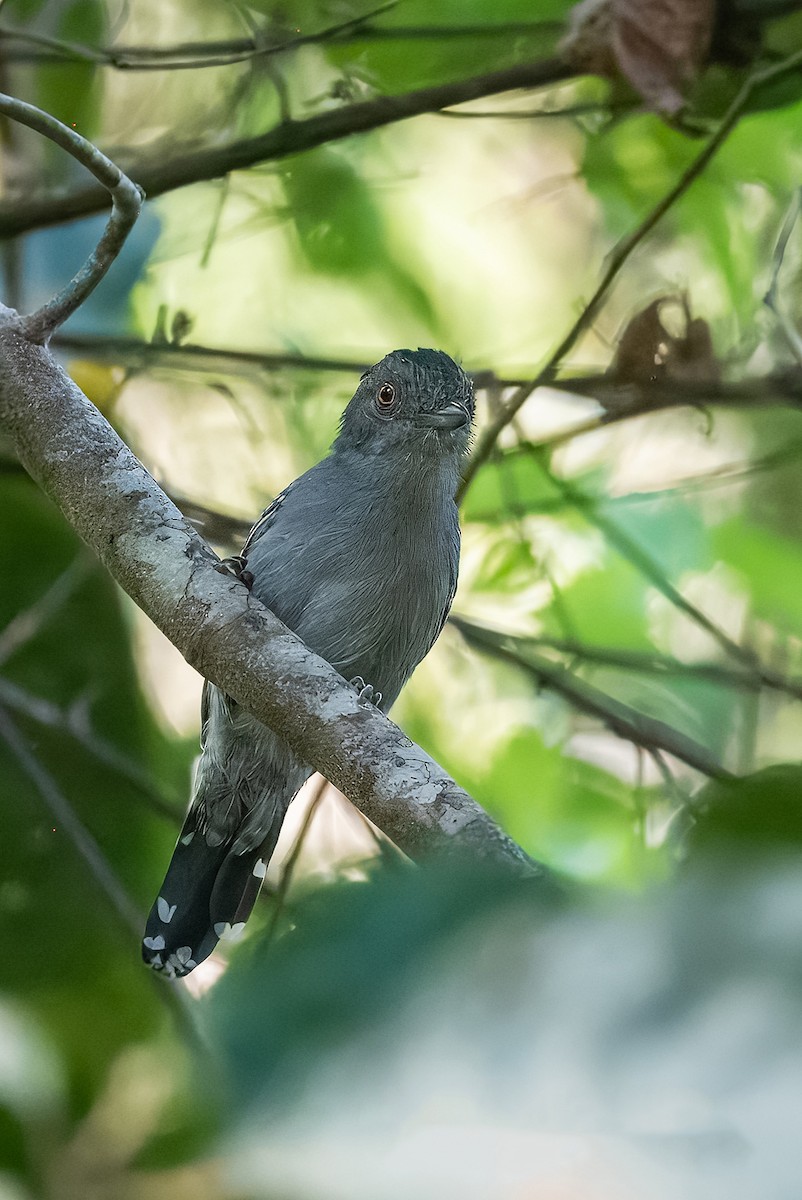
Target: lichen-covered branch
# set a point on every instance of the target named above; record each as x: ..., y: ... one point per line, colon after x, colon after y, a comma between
x: 220, y: 628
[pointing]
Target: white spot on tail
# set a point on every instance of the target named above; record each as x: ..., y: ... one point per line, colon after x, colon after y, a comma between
x: 181, y: 962
x: 153, y: 943
x: 227, y: 932
x: 166, y: 911
x: 260, y: 870
x: 187, y: 838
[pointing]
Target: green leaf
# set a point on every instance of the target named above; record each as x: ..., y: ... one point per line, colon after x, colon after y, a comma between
x: 508, y: 487
x: 399, y: 65
x: 355, y: 955
x: 67, y: 957
x: 753, y: 815
x: 70, y: 90
x: 771, y: 564
x: 341, y: 229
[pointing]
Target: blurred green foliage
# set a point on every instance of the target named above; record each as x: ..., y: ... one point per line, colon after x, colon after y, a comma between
x: 387, y: 1031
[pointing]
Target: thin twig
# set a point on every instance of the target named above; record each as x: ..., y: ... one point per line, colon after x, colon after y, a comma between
x: 644, y: 563
x: 50, y: 716
x: 211, y: 237
x: 292, y: 858
x: 28, y: 623
x: 185, y: 55
x: 619, y: 401
x: 175, y: 997
x: 66, y: 817
x: 619, y: 718
x: 138, y: 355
x: 640, y: 661
x: 593, y: 108
x: 752, y: 678
x: 771, y: 298
x: 618, y: 258
x: 126, y: 200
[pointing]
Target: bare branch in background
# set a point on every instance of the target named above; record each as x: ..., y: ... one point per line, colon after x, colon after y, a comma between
x: 136, y: 355
x: 645, y: 564
x: 175, y: 998
x: 162, y: 172
x: 772, y: 297
x: 620, y: 401
x: 621, y: 719
x: 50, y: 716
x: 27, y: 623
x: 70, y: 823
x: 288, y: 867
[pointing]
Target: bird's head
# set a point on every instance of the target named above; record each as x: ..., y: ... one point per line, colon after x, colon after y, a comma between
x: 412, y: 399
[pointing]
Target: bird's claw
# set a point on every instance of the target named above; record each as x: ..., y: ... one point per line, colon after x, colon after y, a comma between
x: 365, y: 692
x: 235, y: 566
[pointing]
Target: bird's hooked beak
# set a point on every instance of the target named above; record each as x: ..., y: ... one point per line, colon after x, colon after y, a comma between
x: 452, y: 416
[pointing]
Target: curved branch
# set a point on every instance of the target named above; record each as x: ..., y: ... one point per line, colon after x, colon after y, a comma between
x: 126, y: 201
x: 175, y: 170
x: 219, y: 627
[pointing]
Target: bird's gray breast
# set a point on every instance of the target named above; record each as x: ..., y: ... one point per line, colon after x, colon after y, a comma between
x: 363, y: 574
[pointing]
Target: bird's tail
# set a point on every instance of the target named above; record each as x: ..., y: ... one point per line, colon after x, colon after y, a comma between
x: 208, y: 893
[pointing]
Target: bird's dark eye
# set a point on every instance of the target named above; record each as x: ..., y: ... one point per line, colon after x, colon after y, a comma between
x: 385, y: 396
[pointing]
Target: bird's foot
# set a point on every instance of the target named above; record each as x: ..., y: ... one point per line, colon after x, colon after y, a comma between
x: 365, y: 692
x: 235, y: 566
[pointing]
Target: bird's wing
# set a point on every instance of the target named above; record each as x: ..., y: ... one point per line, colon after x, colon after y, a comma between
x: 438, y: 629
x: 452, y: 591
x: 265, y: 521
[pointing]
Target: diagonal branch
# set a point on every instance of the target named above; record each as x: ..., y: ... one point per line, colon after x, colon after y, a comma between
x: 175, y: 997
x: 219, y: 627
x: 643, y: 562
x: 772, y: 297
x: 28, y: 623
x: 621, y: 719
x: 50, y: 716
x: 65, y: 816
x: 173, y: 170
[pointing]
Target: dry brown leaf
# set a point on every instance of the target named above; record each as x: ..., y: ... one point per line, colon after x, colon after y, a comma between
x: 641, y: 350
x: 692, y: 357
x: 648, y: 351
x: 659, y: 46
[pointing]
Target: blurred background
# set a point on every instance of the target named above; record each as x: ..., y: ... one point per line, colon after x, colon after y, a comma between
x: 600, y: 199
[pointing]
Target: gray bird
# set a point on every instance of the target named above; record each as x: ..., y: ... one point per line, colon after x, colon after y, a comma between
x: 359, y: 556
